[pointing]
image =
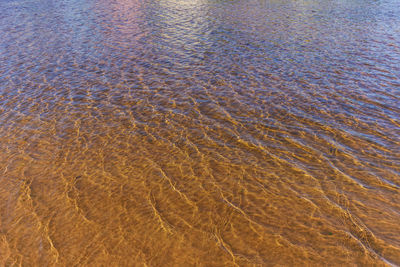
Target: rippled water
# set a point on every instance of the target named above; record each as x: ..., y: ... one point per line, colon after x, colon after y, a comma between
x: 199, y: 132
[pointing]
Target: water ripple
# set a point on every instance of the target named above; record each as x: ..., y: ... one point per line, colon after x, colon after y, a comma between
x: 199, y: 132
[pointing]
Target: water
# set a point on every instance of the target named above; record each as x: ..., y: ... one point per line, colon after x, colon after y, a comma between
x: 199, y: 132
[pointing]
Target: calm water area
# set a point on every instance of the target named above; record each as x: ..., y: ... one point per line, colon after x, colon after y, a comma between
x: 199, y: 133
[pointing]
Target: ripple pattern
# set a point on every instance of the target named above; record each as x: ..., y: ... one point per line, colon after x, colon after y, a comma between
x: 199, y: 132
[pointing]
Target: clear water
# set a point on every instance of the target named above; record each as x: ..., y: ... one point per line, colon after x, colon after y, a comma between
x: 210, y: 133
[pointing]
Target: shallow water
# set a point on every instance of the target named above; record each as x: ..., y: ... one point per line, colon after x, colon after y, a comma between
x: 197, y: 132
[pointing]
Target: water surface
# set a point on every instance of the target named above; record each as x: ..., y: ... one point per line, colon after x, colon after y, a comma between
x: 199, y: 132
